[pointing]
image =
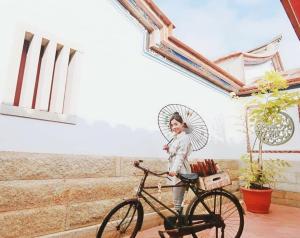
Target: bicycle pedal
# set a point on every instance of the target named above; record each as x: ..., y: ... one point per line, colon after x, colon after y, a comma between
x: 170, y: 222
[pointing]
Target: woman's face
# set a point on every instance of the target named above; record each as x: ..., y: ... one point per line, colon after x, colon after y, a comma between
x: 177, y: 127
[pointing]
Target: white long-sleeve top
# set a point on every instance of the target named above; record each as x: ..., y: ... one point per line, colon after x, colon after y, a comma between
x: 179, y: 150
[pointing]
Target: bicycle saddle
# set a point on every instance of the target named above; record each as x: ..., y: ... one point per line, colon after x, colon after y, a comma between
x: 189, y: 178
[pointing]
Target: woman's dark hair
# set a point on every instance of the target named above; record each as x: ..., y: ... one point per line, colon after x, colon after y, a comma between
x: 176, y: 116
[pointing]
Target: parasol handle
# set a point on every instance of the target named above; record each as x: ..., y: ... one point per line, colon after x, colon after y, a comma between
x: 170, y: 141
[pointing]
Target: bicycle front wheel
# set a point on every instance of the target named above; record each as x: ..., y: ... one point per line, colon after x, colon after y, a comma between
x: 124, y: 220
x: 226, y: 207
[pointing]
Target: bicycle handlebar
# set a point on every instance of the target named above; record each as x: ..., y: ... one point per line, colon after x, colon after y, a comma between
x: 136, y: 164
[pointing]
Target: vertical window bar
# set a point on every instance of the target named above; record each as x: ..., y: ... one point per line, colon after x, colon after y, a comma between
x: 37, y: 76
x: 58, y: 49
x: 21, y: 72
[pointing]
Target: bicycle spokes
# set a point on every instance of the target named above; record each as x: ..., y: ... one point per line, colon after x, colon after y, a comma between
x: 122, y: 222
x: 221, y: 211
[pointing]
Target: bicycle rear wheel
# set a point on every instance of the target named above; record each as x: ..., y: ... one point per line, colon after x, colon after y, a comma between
x: 226, y: 206
x: 124, y: 220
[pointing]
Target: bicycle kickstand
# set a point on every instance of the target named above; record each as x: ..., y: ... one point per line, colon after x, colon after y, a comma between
x: 161, y: 234
x: 222, y: 231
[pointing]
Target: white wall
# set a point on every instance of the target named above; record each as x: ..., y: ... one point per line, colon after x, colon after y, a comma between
x: 252, y: 72
x: 235, y: 66
x: 122, y: 87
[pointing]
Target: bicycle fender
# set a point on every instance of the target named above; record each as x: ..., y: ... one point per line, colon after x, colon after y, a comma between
x: 139, y: 206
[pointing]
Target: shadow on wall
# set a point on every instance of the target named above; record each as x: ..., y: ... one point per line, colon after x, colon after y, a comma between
x: 28, y: 135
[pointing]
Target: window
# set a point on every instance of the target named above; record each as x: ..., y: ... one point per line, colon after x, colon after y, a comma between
x: 46, y: 83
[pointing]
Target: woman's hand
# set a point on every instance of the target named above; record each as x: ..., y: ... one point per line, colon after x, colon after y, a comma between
x: 172, y: 173
x: 166, y: 148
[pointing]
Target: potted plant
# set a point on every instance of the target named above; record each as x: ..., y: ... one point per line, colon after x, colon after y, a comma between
x: 265, y: 111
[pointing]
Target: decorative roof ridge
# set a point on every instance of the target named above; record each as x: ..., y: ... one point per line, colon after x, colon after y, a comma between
x: 228, y: 56
x: 248, y: 90
x: 195, y: 70
x: 277, y: 39
x: 251, y: 53
x: 159, y: 13
x: 197, y: 55
x: 134, y: 12
x: 148, y: 14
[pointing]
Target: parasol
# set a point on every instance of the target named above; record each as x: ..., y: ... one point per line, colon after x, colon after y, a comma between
x: 197, y: 129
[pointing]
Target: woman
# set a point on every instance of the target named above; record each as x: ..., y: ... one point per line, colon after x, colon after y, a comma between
x: 179, y: 150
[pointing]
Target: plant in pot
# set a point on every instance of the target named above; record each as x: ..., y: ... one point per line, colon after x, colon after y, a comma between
x: 273, y: 127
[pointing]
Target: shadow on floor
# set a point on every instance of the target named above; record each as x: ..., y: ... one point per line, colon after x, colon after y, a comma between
x: 281, y: 222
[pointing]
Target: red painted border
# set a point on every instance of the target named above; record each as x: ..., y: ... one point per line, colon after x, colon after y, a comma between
x: 194, y: 53
x: 278, y: 151
x: 292, y: 8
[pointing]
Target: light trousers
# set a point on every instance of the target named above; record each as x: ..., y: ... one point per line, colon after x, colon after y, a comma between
x: 178, y: 195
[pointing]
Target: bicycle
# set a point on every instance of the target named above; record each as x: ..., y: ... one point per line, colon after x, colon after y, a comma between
x: 217, y: 211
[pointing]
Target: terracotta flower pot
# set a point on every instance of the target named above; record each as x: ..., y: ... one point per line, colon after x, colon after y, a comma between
x: 257, y: 201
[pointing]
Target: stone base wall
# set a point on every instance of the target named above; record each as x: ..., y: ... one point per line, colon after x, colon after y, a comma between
x: 287, y: 191
x: 52, y: 195
x: 68, y: 195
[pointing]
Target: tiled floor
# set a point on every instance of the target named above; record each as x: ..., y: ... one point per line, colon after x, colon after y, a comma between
x: 281, y: 222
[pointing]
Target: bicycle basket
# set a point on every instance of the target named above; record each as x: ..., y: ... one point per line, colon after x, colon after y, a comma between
x: 210, y: 174
x: 218, y: 180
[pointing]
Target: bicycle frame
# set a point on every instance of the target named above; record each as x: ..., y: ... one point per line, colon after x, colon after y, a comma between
x: 142, y: 190
x: 193, y: 221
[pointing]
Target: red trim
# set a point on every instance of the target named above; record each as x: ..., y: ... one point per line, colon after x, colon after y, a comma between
x: 188, y: 67
x: 159, y: 13
x: 141, y: 4
x: 292, y: 8
x: 252, y: 89
x: 227, y: 57
x: 278, y: 151
x: 21, y: 72
x: 136, y: 15
x: 194, y: 53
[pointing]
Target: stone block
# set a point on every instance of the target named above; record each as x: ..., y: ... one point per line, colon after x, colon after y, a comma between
x: 293, y: 196
x: 17, y: 166
x: 293, y: 203
x: 32, y: 222
x: 164, y: 197
x: 281, y: 201
x: 152, y: 164
x: 234, y: 174
x: 294, y: 166
x: 151, y: 220
x: 88, y: 213
x: 233, y: 187
x: 288, y: 178
x: 297, y: 174
x: 228, y: 164
x: 93, y: 189
x: 25, y: 194
x: 288, y: 187
x: 278, y: 194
